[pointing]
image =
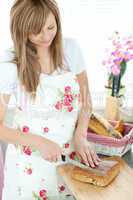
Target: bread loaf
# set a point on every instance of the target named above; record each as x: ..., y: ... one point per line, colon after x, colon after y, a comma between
x: 101, y: 126
x: 120, y: 127
x: 100, y: 176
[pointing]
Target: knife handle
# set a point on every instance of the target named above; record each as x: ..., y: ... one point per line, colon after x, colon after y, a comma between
x: 63, y: 158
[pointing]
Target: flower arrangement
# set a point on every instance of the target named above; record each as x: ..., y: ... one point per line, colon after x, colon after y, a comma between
x: 118, y: 54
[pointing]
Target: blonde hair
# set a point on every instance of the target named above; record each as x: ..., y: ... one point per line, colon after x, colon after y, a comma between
x: 29, y: 16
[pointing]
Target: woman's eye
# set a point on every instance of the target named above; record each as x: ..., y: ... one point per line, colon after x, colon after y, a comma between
x: 50, y: 28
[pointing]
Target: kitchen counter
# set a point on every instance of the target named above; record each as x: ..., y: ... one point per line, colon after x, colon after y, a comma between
x: 128, y: 157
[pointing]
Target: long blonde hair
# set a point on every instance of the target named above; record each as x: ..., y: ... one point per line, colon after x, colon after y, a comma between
x: 29, y: 16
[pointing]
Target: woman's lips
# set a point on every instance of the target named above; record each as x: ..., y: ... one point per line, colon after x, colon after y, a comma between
x: 46, y: 42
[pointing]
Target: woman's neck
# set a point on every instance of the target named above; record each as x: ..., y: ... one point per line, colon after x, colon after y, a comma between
x: 44, y: 60
x: 43, y: 52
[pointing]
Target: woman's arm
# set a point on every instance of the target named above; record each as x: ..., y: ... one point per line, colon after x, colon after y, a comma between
x: 11, y: 135
x: 49, y: 150
x: 83, y: 149
x: 86, y: 108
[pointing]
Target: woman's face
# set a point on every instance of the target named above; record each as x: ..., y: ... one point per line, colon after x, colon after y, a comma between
x: 47, y: 34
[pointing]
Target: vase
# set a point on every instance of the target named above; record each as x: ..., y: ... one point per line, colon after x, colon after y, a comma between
x: 112, y: 108
x: 121, y: 95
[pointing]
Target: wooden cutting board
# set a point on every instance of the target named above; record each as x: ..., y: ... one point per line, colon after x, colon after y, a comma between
x: 120, y: 189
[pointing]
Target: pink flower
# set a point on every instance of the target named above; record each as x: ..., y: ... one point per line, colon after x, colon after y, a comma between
x: 119, y: 51
x: 29, y: 171
x: 27, y: 150
x: 58, y: 106
x: 46, y: 129
x: 116, y: 70
x: 67, y: 89
x: 68, y: 98
x: 72, y: 155
x: 70, y: 108
x: 25, y: 129
x: 42, y: 193
x: 61, y: 188
x: 67, y: 145
x: 66, y: 102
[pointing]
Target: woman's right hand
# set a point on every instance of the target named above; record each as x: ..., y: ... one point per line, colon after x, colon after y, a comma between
x: 50, y: 150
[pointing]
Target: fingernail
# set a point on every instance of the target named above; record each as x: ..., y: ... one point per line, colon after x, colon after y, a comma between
x: 92, y: 165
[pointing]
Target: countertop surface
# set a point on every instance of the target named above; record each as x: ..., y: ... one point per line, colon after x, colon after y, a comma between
x: 128, y: 157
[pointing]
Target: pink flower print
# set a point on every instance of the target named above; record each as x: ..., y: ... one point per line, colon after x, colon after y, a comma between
x: 67, y: 89
x: 46, y: 129
x: 17, y: 164
x: 70, y: 108
x: 25, y: 129
x: 61, y: 188
x: 68, y: 99
x: 42, y: 194
x: 27, y: 150
x: 58, y: 105
x: 29, y: 171
x: 67, y: 145
x: 72, y: 155
x: 42, y: 179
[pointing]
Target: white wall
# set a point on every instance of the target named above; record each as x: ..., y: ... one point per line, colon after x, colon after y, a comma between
x: 91, y: 22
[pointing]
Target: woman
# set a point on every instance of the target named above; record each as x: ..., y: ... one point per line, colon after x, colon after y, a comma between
x: 47, y: 77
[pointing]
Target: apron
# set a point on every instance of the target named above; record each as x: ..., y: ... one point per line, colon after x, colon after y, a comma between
x: 52, y: 115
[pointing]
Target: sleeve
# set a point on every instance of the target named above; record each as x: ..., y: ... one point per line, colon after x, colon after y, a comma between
x: 74, y: 56
x: 8, y: 77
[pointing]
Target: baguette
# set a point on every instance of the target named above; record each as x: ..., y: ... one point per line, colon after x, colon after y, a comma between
x: 101, y: 126
x: 120, y: 127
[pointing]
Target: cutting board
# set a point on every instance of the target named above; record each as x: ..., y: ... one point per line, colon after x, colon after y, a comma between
x: 120, y: 189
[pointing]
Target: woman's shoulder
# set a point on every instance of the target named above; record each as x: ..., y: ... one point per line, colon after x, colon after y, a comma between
x: 73, y: 56
x: 8, y: 73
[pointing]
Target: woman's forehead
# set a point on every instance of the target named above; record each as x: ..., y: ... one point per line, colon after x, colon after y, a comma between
x: 50, y: 19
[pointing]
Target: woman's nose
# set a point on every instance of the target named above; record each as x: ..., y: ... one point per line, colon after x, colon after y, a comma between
x: 45, y: 36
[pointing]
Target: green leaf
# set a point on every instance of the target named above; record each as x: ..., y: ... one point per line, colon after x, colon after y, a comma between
x: 123, y: 68
x: 111, y: 77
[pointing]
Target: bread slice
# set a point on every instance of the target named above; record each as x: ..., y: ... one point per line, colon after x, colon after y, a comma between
x: 99, y: 176
x: 101, y: 126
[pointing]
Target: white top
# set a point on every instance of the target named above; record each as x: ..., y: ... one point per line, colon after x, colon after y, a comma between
x: 8, y: 71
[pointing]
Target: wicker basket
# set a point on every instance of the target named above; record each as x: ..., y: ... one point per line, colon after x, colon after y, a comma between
x: 111, y: 146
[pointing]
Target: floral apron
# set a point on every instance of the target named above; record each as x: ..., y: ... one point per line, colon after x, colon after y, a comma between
x: 53, y: 115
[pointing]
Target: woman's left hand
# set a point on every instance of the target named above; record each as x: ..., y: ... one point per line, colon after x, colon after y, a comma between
x: 85, y: 151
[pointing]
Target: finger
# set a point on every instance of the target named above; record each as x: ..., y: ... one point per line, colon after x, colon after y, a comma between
x: 79, y: 156
x: 84, y: 158
x: 49, y: 158
x: 98, y: 158
x: 94, y: 157
x: 55, y: 158
x: 89, y: 159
